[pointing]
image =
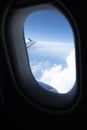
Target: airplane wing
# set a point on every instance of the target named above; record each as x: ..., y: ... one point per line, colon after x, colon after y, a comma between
x: 48, y: 87
x: 30, y: 43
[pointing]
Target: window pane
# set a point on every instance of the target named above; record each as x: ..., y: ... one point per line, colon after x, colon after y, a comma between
x: 50, y: 45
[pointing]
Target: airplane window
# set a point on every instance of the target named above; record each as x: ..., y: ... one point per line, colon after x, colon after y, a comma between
x: 50, y: 45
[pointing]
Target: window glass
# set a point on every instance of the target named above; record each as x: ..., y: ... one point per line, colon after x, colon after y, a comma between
x: 50, y: 45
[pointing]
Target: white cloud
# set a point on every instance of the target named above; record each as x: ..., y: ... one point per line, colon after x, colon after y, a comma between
x: 61, y: 78
x: 37, y: 67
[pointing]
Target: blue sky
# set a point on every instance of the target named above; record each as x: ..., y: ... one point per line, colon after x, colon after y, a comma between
x: 54, y: 52
x: 48, y: 26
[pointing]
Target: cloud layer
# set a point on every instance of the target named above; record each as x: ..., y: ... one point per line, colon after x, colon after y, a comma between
x: 62, y: 79
x: 56, y: 49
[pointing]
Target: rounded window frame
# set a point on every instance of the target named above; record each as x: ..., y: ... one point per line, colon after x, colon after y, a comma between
x: 22, y: 72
